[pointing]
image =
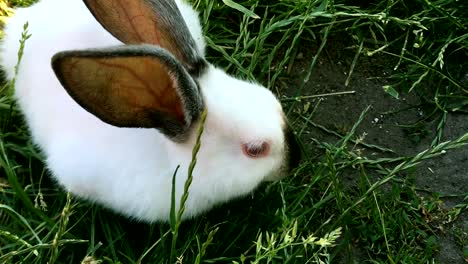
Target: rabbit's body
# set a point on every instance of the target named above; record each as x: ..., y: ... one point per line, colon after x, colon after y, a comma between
x: 130, y: 169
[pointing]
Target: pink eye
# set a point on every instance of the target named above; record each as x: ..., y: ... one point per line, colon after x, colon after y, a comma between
x: 257, y: 149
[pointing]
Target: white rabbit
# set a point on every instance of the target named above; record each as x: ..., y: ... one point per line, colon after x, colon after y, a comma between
x: 120, y: 107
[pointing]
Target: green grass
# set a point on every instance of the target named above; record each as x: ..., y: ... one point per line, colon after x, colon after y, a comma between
x: 313, y: 216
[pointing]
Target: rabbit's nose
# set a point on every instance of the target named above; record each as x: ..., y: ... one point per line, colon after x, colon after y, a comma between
x: 293, y: 149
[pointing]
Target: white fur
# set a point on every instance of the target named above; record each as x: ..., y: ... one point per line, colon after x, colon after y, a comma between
x: 128, y: 169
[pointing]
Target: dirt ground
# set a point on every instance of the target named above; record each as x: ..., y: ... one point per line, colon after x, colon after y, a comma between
x: 385, y: 124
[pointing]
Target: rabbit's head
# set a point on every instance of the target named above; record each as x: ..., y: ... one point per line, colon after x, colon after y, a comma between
x: 160, y: 79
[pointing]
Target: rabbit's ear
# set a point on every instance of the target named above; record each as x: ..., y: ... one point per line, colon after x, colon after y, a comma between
x: 157, y: 22
x: 131, y: 86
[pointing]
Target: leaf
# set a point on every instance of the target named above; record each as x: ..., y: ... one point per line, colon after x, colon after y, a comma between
x: 173, y: 214
x: 391, y: 91
x: 239, y: 7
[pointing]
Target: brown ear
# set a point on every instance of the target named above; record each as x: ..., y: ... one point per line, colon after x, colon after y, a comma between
x: 131, y: 86
x: 157, y: 22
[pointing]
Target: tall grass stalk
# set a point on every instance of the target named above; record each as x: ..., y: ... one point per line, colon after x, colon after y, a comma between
x: 176, y: 221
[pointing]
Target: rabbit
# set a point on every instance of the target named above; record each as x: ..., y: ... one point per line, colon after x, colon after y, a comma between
x: 112, y: 92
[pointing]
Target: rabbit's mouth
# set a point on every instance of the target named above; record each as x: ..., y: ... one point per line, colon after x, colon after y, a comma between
x: 275, y: 176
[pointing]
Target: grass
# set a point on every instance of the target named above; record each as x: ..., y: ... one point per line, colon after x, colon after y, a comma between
x: 313, y: 216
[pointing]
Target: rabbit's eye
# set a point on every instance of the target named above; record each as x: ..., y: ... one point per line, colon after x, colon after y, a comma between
x: 256, y: 149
